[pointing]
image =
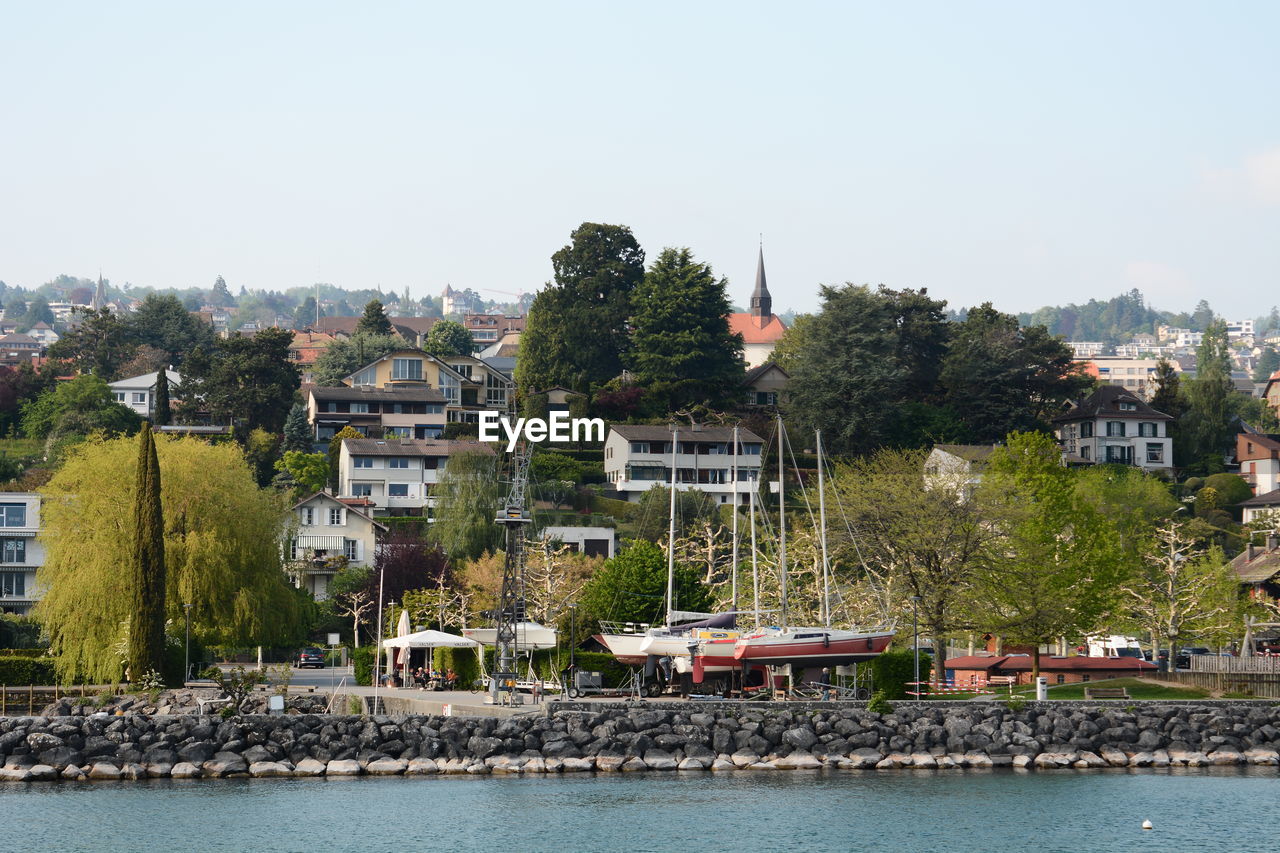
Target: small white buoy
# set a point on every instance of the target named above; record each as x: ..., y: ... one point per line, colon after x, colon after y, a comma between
x: 1146, y: 824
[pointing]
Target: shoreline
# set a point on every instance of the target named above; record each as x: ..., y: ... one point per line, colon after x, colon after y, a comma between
x: 647, y: 738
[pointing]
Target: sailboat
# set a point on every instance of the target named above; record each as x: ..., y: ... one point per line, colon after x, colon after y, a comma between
x: 800, y: 646
x: 529, y: 635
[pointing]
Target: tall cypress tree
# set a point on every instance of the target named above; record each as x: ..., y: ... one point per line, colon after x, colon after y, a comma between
x: 163, y: 413
x: 146, y: 564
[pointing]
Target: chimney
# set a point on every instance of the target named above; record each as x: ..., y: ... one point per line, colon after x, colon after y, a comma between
x: 1272, y: 541
x: 1250, y: 552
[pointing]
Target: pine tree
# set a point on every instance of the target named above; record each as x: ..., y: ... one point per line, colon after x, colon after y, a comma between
x: 146, y: 625
x: 297, y: 432
x: 374, y: 321
x: 163, y: 413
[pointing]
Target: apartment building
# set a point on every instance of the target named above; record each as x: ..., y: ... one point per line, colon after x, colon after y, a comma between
x: 20, y: 552
x: 327, y: 536
x: 396, y: 476
x: 638, y: 457
x: 1113, y: 425
x: 408, y: 412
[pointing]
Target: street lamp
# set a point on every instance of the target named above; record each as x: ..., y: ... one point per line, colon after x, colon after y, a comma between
x: 377, y: 650
x: 573, y: 632
x: 186, y: 654
x: 915, y: 642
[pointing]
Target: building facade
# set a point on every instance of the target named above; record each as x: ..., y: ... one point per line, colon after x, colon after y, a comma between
x: 1113, y: 425
x: 760, y: 328
x: 396, y: 476
x: 396, y: 412
x: 21, y: 553
x: 139, y: 392
x: 638, y: 457
x: 328, y: 536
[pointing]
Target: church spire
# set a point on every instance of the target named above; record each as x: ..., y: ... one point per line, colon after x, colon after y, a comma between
x: 99, y: 300
x: 761, y: 301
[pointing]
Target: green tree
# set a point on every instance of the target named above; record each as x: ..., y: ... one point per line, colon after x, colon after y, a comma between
x: 867, y: 353
x: 221, y: 296
x: 467, y: 504
x: 248, y: 381
x: 163, y: 411
x: 632, y: 587
x: 162, y: 322
x: 344, y: 357
x: 221, y: 553
x: 681, y: 346
x: 297, y: 432
x: 577, y: 327
x: 374, y: 321
x: 1051, y: 569
x: 1000, y: 377
x: 38, y: 311
x: 261, y: 451
x: 309, y: 470
x: 448, y: 338
x: 1203, y: 317
x: 305, y: 315
x: 146, y: 565
x: 1207, y: 420
x: 80, y: 406
x: 653, y: 513
x: 101, y: 344
x: 1268, y: 363
x: 789, y: 348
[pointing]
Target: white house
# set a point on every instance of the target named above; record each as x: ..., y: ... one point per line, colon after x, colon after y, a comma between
x: 957, y: 466
x: 760, y: 328
x: 1113, y: 425
x: 139, y: 392
x: 1259, y: 457
x: 328, y: 535
x: 396, y: 475
x: 638, y: 457
x: 20, y: 552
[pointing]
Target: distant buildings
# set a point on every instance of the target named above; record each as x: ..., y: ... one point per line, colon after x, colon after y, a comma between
x: 1136, y: 375
x: 139, y: 392
x: 21, y: 554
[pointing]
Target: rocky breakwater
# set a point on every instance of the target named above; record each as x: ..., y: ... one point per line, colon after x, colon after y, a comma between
x: 625, y: 739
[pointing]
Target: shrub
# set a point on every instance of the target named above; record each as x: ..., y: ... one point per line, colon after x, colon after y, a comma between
x: 16, y: 670
x: 463, y: 662
x: 892, y: 671
x: 362, y: 664
x: 879, y: 704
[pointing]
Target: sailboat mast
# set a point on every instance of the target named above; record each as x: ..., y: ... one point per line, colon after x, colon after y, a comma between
x: 671, y: 527
x: 822, y: 535
x: 733, y: 478
x: 782, y: 523
x: 755, y: 567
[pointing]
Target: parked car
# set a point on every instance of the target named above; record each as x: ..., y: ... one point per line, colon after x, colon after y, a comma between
x: 309, y: 657
x: 1183, y: 661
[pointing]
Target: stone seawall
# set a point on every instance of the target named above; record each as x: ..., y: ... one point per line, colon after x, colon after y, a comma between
x: 644, y: 738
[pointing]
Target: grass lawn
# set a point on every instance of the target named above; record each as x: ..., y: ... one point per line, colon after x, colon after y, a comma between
x: 1139, y: 688
x: 21, y: 448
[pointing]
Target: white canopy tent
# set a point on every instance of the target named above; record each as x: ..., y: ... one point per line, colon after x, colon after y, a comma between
x: 424, y: 640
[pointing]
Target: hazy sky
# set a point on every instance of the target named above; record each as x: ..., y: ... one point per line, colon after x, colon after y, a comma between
x: 1025, y: 153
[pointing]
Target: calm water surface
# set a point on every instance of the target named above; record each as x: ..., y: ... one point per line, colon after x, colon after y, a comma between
x: 1193, y: 810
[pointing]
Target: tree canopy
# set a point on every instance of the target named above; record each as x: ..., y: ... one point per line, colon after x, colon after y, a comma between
x: 448, y: 338
x: 163, y: 322
x: 632, y: 587
x: 249, y: 380
x: 344, y: 357
x: 466, y: 506
x: 374, y: 321
x: 83, y: 405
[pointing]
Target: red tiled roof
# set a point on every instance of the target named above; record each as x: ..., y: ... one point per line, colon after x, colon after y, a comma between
x: 745, y: 325
x: 1022, y: 663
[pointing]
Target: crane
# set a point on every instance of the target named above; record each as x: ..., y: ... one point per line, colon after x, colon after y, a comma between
x: 514, y: 516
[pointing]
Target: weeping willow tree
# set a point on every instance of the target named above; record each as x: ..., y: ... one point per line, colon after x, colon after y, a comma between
x: 467, y: 505
x: 221, y: 552
x: 146, y: 580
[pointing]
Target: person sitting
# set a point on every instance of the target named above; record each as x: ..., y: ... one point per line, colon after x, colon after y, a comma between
x: 450, y: 679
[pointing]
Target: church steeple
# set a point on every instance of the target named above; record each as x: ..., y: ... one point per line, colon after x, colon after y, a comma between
x: 99, y: 300
x: 761, y: 301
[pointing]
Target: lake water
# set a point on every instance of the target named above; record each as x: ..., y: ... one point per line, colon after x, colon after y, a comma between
x: 1193, y: 810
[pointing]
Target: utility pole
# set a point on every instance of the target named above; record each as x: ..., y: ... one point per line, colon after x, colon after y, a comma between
x: 733, y: 479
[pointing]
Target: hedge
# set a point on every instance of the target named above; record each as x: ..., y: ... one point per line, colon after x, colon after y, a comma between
x: 891, y: 672
x: 463, y: 662
x: 21, y: 671
x: 23, y: 653
x: 362, y: 664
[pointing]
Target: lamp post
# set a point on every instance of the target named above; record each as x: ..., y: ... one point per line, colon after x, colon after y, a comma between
x: 573, y: 632
x: 915, y: 642
x: 186, y: 654
x: 377, y: 651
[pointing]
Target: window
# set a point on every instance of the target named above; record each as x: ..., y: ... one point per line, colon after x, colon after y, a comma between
x: 398, y: 462
x: 397, y: 490
x: 1148, y: 430
x: 1115, y: 428
x: 1062, y: 679
x: 766, y: 398
x: 335, y: 516
x: 308, y: 515
x: 1122, y: 455
x: 434, y: 409
x: 362, y: 490
x: 396, y: 432
x: 751, y: 449
x: 368, y: 376
x: 293, y: 549
x: 1086, y: 429
x: 1084, y: 452
x: 15, y: 550
x: 351, y: 548
x: 1084, y: 677
x: 13, y: 515
x: 362, y: 461
x: 406, y: 368
x: 119, y: 395
x: 1155, y: 451
x: 360, y: 408
x: 13, y: 583
x: 139, y: 396
x: 451, y: 389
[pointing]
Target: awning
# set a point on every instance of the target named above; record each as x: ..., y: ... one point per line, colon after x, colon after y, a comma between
x: 644, y: 464
x: 429, y: 639
x: 322, y: 543
x: 17, y: 534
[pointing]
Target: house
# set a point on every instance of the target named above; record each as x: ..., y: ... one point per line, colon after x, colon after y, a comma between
x: 408, y: 412
x: 412, y: 329
x: 305, y: 349
x: 1270, y: 392
x: 559, y: 398
x: 766, y: 385
x: 507, y: 346
x: 958, y: 464
x: 1257, y: 568
x: 1112, y: 425
x: 139, y: 392
x: 977, y: 670
x: 459, y: 301
x: 43, y: 333
x: 1260, y: 506
x: 760, y: 328
x: 1259, y: 457
x: 468, y: 384
x: 638, y: 457
x: 592, y: 541
x: 1086, y: 349
x: 396, y: 475
x: 21, y: 554
x: 488, y: 329
x: 328, y: 536
x: 17, y: 349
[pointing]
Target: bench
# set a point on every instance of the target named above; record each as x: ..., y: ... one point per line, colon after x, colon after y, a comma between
x: 293, y: 688
x: 1002, y: 681
x: 1106, y: 693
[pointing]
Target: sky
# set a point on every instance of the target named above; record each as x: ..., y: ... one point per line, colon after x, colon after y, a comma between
x: 1019, y: 153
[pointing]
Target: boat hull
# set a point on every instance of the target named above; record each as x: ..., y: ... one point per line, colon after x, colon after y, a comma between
x: 812, y: 648
x: 529, y: 635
